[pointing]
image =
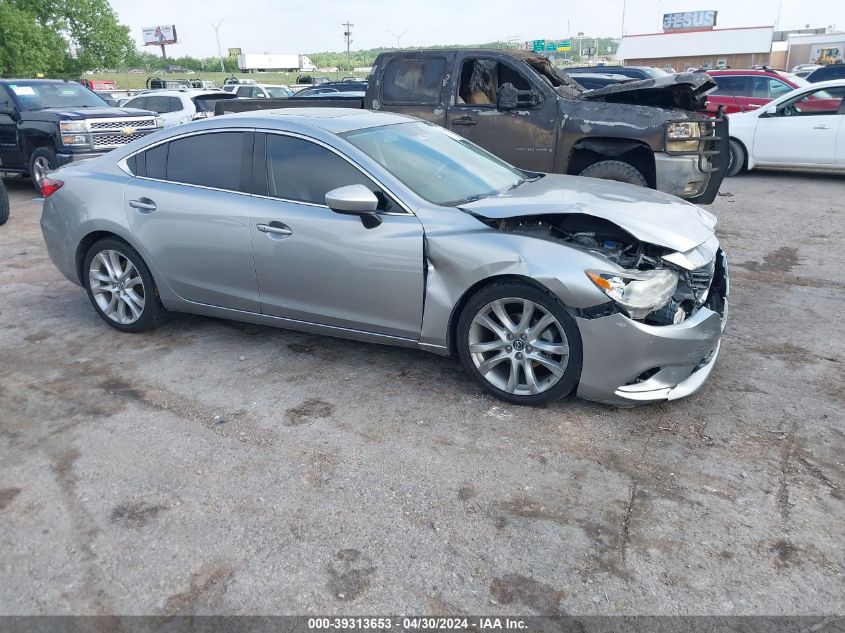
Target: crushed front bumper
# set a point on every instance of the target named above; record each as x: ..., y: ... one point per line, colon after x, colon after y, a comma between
x: 628, y: 363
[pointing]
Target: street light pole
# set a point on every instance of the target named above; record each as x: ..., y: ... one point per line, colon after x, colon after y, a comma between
x: 217, y: 35
x: 398, y: 37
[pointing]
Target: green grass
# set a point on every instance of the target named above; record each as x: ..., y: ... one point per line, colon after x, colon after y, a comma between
x: 128, y: 81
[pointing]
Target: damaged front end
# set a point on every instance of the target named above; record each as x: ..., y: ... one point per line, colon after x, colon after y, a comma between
x: 684, y: 91
x: 658, y: 335
x: 686, y: 278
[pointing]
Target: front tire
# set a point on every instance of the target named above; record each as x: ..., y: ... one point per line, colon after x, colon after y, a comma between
x: 737, y: 162
x: 616, y: 170
x: 4, y: 204
x: 42, y: 162
x: 121, y: 288
x: 519, y: 343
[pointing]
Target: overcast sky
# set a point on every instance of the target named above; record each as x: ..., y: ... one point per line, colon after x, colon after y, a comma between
x: 309, y: 26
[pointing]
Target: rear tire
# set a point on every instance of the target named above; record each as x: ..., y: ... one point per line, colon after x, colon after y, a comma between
x: 738, y: 158
x: 42, y: 161
x: 519, y: 343
x: 616, y: 170
x: 121, y: 287
x: 4, y: 204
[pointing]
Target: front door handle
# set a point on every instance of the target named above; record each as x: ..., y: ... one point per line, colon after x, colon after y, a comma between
x: 276, y: 228
x: 143, y: 204
x: 464, y: 120
x: 821, y: 127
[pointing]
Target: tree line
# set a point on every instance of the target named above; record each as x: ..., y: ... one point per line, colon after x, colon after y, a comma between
x: 65, y: 38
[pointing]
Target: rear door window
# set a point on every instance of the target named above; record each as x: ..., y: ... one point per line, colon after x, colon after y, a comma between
x: 158, y: 104
x: 731, y: 85
x: 175, y: 104
x: 413, y: 80
x: 208, y: 160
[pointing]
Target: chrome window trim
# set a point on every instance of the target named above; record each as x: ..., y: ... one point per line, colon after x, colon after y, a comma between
x: 123, y: 166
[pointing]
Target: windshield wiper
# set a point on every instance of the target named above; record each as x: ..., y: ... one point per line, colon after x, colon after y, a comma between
x: 516, y: 184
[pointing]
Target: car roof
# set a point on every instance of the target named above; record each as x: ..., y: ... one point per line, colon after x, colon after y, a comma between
x: 42, y: 80
x: 175, y: 92
x: 334, y: 120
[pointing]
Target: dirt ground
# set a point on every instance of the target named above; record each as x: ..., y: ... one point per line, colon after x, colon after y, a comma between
x: 216, y: 467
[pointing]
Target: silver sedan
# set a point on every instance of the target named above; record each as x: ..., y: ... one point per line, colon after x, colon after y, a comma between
x: 383, y: 228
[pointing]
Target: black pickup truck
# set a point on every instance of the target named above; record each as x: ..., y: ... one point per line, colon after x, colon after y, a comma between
x: 46, y: 123
x: 517, y: 105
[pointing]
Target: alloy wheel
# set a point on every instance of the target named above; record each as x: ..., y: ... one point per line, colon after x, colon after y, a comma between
x: 518, y: 346
x: 40, y: 168
x: 117, y: 287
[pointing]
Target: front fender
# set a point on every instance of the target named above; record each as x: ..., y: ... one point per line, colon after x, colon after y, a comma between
x: 459, y: 261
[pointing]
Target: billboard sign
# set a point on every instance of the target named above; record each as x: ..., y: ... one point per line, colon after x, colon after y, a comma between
x: 158, y: 35
x: 689, y: 20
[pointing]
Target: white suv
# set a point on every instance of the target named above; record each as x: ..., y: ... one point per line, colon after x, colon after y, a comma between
x: 259, y: 91
x: 179, y: 106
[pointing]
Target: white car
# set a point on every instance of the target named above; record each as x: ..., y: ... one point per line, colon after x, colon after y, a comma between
x: 259, y: 91
x: 803, y: 128
x: 179, y: 106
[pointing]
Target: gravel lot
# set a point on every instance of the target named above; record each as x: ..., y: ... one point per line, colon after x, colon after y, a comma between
x: 215, y: 467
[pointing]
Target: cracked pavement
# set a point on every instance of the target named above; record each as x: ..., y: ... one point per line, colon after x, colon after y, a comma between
x: 214, y: 467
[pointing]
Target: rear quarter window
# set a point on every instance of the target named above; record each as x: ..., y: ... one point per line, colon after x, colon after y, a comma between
x: 413, y: 80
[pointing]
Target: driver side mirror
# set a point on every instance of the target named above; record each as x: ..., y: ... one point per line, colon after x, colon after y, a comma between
x: 771, y: 111
x: 355, y: 200
x: 7, y: 109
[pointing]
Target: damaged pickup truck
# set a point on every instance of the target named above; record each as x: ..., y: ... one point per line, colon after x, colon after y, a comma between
x: 518, y: 106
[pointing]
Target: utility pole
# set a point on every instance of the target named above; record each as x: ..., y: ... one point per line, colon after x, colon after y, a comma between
x: 398, y: 37
x: 348, y: 35
x: 217, y: 34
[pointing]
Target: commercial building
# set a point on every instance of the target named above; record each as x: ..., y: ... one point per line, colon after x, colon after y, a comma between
x: 699, y: 48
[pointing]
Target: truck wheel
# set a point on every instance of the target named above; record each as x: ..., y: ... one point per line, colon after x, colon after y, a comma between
x: 4, y: 204
x: 737, y: 162
x: 42, y: 162
x: 616, y: 170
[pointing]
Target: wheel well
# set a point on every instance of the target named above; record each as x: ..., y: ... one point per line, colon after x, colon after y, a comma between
x: 31, y: 145
x: 87, y: 242
x: 744, y: 151
x: 591, y: 151
x: 459, y: 306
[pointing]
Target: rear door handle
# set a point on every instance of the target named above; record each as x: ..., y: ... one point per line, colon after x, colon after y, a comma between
x: 276, y: 228
x: 821, y: 127
x: 143, y: 204
x: 464, y: 120
x: 753, y: 106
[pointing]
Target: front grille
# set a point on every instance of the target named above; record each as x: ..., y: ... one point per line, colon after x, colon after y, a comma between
x: 110, y: 140
x: 117, y: 124
x: 112, y: 132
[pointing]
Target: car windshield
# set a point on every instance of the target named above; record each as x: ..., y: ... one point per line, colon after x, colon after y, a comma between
x: 277, y: 92
x: 437, y: 165
x: 35, y: 95
x: 798, y: 81
x: 653, y: 72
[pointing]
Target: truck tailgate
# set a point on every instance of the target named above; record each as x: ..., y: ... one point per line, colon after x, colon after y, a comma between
x: 245, y: 105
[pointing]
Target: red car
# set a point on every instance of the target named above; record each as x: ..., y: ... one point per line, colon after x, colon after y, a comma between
x: 744, y: 90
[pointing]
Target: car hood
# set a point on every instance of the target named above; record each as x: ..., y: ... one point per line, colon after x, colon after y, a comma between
x: 648, y: 215
x: 683, y: 90
x: 94, y: 113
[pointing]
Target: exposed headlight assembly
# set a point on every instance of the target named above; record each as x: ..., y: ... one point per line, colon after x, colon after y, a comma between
x: 637, y: 292
x: 73, y: 126
x: 682, y: 136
